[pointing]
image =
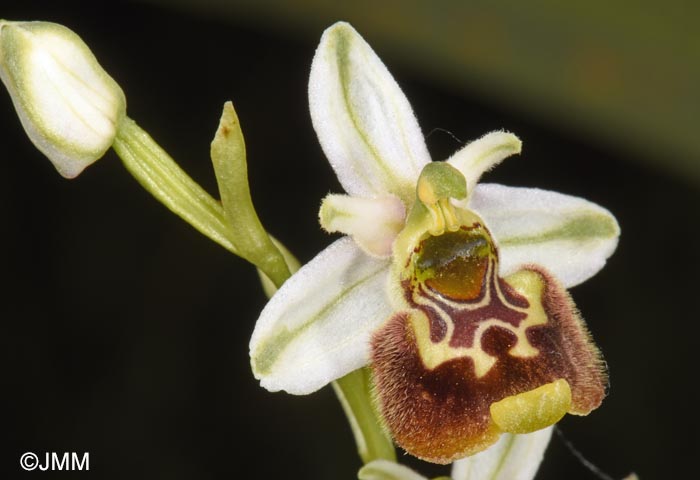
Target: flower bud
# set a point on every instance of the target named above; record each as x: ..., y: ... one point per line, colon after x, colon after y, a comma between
x: 69, y: 106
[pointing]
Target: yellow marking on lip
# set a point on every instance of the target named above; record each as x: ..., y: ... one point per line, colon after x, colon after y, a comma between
x: 433, y: 354
x: 530, y: 411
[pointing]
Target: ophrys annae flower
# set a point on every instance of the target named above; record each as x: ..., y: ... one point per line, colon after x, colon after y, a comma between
x: 452, y: 291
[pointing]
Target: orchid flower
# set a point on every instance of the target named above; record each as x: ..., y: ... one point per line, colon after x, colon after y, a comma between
x: 453, y: 292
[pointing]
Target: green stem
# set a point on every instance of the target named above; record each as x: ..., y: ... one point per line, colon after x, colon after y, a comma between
x: 158, y: 173
x: 354, y: 393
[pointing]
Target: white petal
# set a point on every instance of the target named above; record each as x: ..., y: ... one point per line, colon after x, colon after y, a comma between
x: 569, y: 236
x: 363, y: 120
x: 387, y: 470
x: 317, y: 327
x: 513, y: 457
x: 373, y: 223
x: 481, y: 155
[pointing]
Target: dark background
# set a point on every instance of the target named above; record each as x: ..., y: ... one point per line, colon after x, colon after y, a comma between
x: 125, y: 332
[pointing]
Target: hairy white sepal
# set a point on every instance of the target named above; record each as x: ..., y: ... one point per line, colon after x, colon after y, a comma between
x: 513, y: 457
x: 363, y: 120
x: 317, y: 327
x: 569, y: 236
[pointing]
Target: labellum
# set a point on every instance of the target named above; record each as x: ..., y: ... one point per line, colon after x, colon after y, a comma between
x: 473, y: 355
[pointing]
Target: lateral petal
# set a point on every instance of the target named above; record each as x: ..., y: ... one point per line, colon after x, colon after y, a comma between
x: 481, y: 155
x: 363, y: 120
x: 373, y: 223
x: 569, y: 236
x: 317, y: 327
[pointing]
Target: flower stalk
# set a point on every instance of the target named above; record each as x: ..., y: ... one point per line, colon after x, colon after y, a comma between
x: 233, y: 223
x: 158, y: 174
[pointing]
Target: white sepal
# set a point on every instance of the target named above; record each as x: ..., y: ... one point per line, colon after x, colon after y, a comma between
x: 363, y: 120
x: 373, y: 223
x: 569, y: 236
x: 513, y: 457
x: 387, y: 470
x: 317, y: 327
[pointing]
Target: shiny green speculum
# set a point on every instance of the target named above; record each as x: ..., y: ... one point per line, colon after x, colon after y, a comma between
x: 454, y: 264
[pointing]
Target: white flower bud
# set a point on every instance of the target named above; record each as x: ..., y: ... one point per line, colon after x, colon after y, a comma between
x: 69, y: 106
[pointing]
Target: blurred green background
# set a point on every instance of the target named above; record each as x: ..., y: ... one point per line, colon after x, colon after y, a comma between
x: 125, y: 332
x: 624, y: 74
